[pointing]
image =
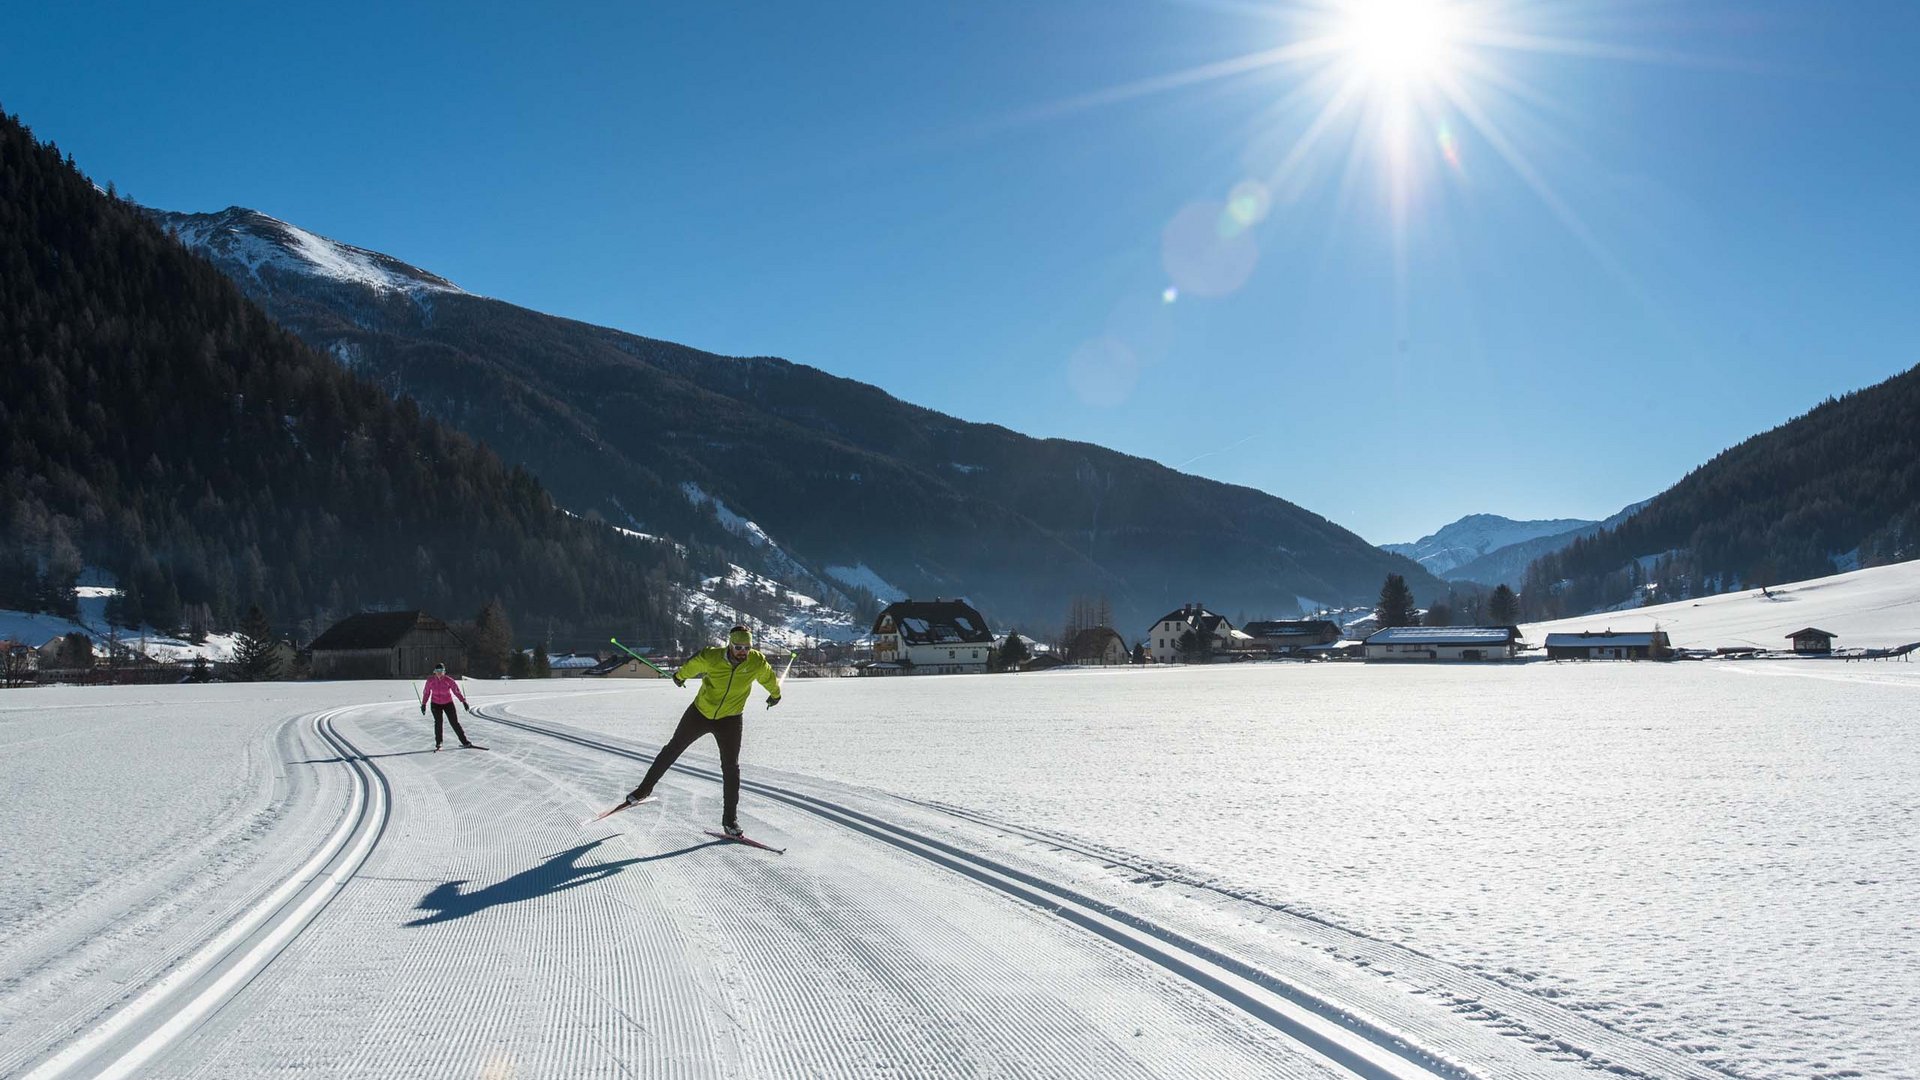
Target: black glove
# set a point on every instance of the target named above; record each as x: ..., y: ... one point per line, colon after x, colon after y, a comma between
x: 678, y: 681
x: 423, y: 710
x: 468, y: 709
x: 772, y: 701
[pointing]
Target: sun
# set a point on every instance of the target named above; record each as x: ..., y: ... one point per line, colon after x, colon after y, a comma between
x: 1400, y: 43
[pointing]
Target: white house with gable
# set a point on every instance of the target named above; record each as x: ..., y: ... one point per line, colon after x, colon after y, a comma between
x: 938, y: 637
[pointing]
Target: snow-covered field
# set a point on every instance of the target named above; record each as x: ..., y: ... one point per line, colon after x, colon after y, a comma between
x: 1540, y: 870
x: 1875, y: 608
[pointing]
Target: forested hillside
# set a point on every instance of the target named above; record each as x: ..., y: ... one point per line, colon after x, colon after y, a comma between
x: 840, y: 473
x: 157, y: 424
x: 1836, y: 489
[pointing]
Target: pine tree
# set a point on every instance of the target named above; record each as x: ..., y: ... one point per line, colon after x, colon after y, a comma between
x: 254, y: 656
x: 1013, y: 652
x: 542, y: 664
x: 519, y: 666
x: 1396, y: 604
x: 492, y: 641
x: 1504, y: 607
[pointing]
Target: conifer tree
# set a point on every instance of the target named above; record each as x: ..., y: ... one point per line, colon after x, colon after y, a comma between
x: 1504, y: 607
x: 542, y: 664
x: 492, y: 641
x: 254, y: 657
x: 1396, y: 604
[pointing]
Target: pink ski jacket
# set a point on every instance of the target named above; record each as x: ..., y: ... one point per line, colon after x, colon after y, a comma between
x: 441, y: 690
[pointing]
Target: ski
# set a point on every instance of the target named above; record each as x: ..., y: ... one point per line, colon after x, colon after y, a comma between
x: 475, y: 746
x: 747, y: 840
x: 619, y: 806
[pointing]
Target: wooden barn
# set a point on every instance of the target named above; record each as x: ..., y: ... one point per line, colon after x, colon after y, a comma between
x: 387, y: 645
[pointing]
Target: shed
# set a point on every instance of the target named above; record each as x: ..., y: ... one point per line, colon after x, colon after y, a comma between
x: 1812, y: 641
x: 387, y: 645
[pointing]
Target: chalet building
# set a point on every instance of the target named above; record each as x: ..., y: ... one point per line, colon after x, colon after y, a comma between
x: 1610, y: 645
x: 387, y: 645
x: 1098, y: 646
x: 937, y: 637
x: 1163, y: 640
x: 1289, y: 637
x: 1812, y: 642
x: 1444, y: 643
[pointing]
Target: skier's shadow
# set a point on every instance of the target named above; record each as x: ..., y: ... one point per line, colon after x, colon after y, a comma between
x: 558, y: 873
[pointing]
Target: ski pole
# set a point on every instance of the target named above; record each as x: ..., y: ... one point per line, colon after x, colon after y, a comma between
x: 640, y: 658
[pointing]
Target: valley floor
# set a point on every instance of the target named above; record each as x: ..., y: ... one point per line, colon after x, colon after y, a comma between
x: 1266, y: 870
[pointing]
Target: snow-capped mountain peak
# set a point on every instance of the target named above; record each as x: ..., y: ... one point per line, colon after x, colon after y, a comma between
x: 259, y: 242
x: 1475, y: 535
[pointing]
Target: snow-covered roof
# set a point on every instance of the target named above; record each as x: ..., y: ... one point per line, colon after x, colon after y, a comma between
x: 1444, y: 635
x: 1608, y: 638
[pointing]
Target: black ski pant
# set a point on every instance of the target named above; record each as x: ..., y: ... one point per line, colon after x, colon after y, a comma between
x: 693, y: 724
x: 443, y: 715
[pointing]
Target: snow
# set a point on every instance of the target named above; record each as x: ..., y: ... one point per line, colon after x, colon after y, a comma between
x: 1878, y: 607
x: 796, y: 621
x: 782, y: 563
x: 1679, y: 870
x: 1475, y: 535
x: 257, y: 240
x: 860, y: 576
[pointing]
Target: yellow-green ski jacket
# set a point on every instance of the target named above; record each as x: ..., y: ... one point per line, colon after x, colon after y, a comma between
x: 725, y: 691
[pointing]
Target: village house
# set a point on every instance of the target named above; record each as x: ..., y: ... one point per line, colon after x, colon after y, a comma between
x: 937, y: 637
x: 1812, y: 642
x: 1098, y: 646
x: 623, y: 666
x: 1444, y: 643
x: 1289, y: 637
x: 387, y: 645
x: 1610, y: 645
x: 1169, y: 631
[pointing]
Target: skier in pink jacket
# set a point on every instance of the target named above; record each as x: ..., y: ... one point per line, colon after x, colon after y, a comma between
x: 441, y: 690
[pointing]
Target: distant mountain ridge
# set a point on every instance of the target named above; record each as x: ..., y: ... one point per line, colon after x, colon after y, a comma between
x: 1508, y: 565
x: 1477, y: 535
x: 829, y: 472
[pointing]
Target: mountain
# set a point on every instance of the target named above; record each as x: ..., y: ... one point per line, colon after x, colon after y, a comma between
x: 156, y: 424
x: 1508, y: 565
x: 829, y: 484
x: 1476, y: 535
x: 1835, y: 489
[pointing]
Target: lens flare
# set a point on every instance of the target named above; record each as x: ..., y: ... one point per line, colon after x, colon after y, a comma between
x: 1449, y: 146
x: 1202, y: 258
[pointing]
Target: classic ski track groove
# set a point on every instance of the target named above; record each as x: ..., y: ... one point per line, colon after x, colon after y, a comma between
x: 1604, y: 1048
x: 199, y: 984
x: 1350, y: 1043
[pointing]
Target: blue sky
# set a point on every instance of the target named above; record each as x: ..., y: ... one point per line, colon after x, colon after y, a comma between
x: 1609, y: 240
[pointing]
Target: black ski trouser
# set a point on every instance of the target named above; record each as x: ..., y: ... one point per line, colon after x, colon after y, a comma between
x: 693, y: 724
x: 443, y: 715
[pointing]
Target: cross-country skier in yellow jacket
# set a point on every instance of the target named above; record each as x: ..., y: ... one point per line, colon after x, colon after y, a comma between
x: 729, y: 674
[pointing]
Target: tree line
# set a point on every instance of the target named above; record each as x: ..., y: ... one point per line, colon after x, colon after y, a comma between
x: 156, y: 424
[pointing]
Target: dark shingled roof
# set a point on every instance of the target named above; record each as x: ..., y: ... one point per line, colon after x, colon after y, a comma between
x: 374, y: 630
x: 939, y: 622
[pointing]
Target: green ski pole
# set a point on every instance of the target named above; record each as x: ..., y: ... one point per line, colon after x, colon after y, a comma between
x: 642, y: 659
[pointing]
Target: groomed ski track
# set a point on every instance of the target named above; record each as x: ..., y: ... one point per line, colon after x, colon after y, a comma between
x: 458, y: 919
x: 1345, y: 1041
x: 135, y: 1032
